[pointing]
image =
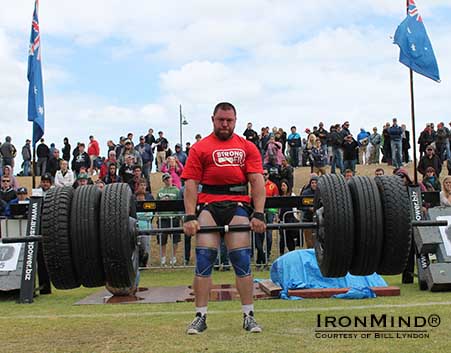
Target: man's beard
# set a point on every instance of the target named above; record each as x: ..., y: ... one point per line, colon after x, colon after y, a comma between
x: 223, y: 134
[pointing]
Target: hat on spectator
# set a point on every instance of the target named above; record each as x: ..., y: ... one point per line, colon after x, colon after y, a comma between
x: 22, y: 190
x: 165, y: 176
x: 127, y: 141
x: 178, y: 145
x: 82, y: 176
x: 47, y: 176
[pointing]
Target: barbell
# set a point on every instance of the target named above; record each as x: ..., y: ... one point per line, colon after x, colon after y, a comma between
x: 89, y: 236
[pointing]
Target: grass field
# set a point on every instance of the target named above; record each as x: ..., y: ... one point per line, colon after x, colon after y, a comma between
x: 53, y: 324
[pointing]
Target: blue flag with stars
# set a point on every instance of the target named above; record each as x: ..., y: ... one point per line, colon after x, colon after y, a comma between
x: 416, y: 49
x: 35, y: 88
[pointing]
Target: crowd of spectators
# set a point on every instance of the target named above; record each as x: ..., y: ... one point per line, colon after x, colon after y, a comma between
x: 333, y: 150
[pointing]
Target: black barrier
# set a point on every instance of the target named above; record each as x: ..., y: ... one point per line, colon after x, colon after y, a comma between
x: 31, y: 249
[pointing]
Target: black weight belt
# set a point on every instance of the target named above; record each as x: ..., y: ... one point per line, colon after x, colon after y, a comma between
x: 234, y: 189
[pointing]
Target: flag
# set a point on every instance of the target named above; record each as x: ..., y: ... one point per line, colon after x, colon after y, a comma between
x: 35, y: 88
x: 415, y: 47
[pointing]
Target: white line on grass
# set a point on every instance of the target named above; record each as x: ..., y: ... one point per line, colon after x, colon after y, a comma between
x: 172, y: 313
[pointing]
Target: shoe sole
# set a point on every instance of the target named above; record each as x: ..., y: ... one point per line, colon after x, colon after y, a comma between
x: 193, y: 332
x: 255, y: 330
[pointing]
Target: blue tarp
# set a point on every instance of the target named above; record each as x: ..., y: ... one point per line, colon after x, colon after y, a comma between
x: 299, y: 270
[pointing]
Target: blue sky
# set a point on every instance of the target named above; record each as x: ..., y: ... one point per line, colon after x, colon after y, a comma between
x: 112, y: 67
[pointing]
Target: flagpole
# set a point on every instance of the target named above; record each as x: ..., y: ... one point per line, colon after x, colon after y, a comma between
x: 33, y: 164
x: 412, y: 113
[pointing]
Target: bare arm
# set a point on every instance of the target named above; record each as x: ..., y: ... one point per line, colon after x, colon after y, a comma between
x: 258, y: 194
x: 190, y: 196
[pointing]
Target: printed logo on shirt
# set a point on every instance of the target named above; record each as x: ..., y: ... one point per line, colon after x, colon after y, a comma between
x: 233, y: 157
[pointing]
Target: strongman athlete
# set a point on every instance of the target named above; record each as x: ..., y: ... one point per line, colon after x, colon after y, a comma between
x: 223, y: 163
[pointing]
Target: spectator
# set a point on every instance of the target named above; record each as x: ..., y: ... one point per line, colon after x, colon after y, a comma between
x: 42, y: 151
x: 130, y: 137
x: 198, y: 137
x: 53, y: 164
x: 64, y: 176
x: 281, y: 136
x: 290, y: 237
x: 379, y: 172
x: 322, y: 135
x: 250, y: 134
x: 179, y: 154
x: 386, y: 145
x: 440, y: 142
x: 81, y: 159
x: 445, y: 194
x: 375, y: 140
x: 112, y: 176
x: 345, y: 129
x: 111, y: 146
x: 106, y: 164
x: 100, y: 184
x: 150, y: 139
x: 187, y: 148
x: 146, y: 155
x: 168, y: 192
x: 93, y: 153
x: 66, y: 149
x: 363, y: 139
x: 175, y: 169
x: 137, y: 177
x: 7, y: 193
x: 82, y: 179
x: 51, y: 149
x: 273, y: 155
x: 425, y: 139
x: 395, y: 133
x: 319, y: 158
x: 431, y: 181
x: 22, y: 196
x: 8, y: 172
x: 348, y: 174
x: 430, y: 159
x: 46, y: 183
x: 126, y: 169
x: 286, y: 172
x: 129, y: 151
x: 406, y: 143
x: 75, y: 153
x: 26, y: 156
x: 120, y: 146
x: 307, y: 212
x: 294, y: 141
x: 271, y: 190
x: 8, y: 152
x: 311, y: 139
x: 350, y: 154
x: 336, y: 142
x: 144, y: 222
x: 162, y: 145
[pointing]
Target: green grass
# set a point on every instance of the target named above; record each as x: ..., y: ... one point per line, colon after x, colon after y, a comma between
x: 53, y: 324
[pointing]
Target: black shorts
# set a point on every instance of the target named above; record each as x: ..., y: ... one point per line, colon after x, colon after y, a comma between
x: 223, y: 212
x: 166, y: 223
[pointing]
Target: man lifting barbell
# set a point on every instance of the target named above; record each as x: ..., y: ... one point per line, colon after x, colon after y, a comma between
x: 223, y: 163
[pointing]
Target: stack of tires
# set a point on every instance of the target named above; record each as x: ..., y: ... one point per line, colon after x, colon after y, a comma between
x: 364, y: 225
x: 90, y: 239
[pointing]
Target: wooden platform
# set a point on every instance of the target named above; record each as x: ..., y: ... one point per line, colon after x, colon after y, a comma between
x: 169, y: 295
x: 329, y: 292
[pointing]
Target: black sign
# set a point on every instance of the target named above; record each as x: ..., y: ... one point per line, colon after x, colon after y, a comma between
x: 30, y: 252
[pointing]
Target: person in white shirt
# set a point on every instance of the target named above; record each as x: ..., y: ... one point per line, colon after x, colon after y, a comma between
x: 64, y: 176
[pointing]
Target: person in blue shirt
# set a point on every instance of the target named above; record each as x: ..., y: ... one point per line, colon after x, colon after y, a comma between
x: 294, y: 141
x: 363, y: 139
x: 181, y: 156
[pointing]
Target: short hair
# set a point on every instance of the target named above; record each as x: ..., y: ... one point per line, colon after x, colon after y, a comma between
x: 349, y: 171
x: 143, y: 181
x: 379, y: 170
x: 224, y: 106
x: 137, y: 166
x: 293, y: 127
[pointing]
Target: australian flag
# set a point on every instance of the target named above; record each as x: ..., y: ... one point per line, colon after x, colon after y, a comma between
x: 35, y: 88
x: 416, y: 49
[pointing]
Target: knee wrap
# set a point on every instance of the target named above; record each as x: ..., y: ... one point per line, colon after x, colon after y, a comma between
x: 241, y: 261
x: 205, y: 259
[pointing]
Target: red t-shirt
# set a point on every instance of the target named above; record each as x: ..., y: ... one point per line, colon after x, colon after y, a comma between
x: 213, y: 161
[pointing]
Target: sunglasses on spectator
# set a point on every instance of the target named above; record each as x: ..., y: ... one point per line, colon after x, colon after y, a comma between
x: 265, y: 173
x: 5, y: 181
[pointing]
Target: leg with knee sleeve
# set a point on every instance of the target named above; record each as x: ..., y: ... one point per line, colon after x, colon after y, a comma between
x: 241, y: 261
x: 205, y: 259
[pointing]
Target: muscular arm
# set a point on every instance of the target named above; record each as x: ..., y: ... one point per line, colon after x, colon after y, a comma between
x: 190, y: 196
x: 258, y: 193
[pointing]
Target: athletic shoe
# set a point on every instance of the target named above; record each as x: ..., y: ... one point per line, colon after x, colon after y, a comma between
x: 198, y: 325
x: 249, y: 323
x: 173, y: 261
